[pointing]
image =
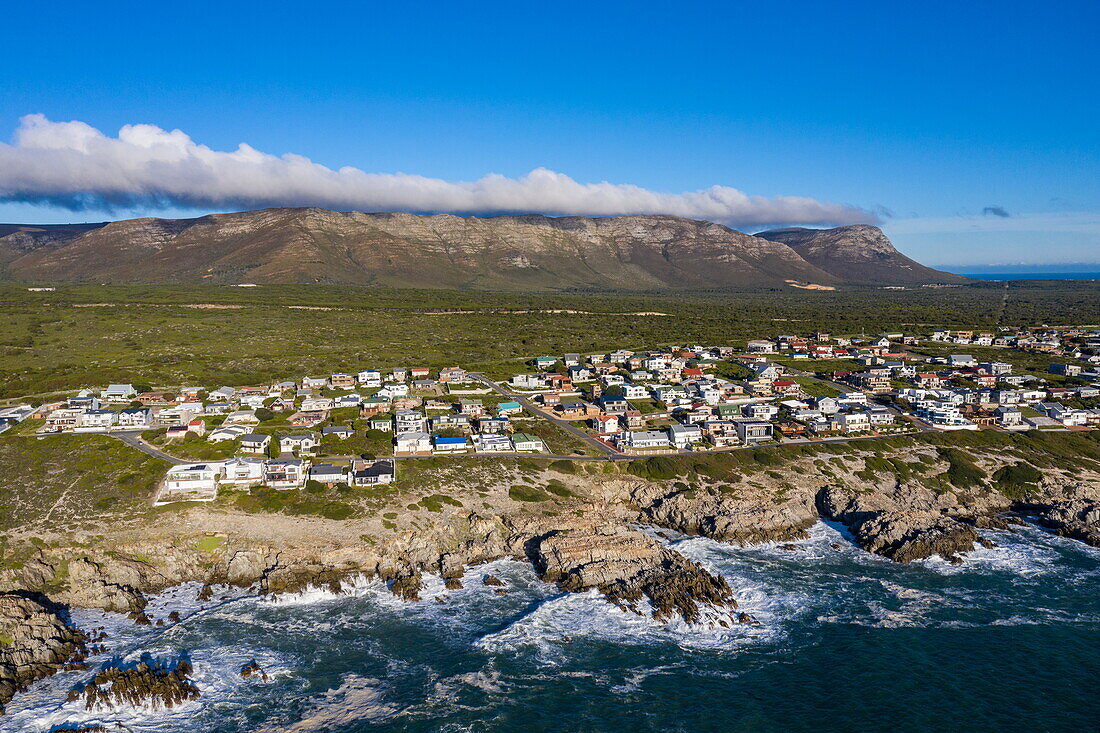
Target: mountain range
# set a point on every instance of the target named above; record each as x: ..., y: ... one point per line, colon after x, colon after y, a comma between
x: 525, y: 252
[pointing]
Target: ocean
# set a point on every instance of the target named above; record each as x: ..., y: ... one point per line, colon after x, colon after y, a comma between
x: 1034, y: 275
x: 1009, y: 640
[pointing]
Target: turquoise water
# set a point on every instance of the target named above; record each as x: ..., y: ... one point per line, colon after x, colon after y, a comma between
x: 1010, y: 640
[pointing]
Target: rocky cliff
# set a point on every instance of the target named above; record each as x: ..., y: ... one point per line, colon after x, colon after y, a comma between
x: 406, y: 250
x: 860, y: 253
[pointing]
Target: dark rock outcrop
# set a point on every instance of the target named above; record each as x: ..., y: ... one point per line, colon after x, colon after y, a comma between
x: 1077, y: 519
x: 146, y: 683
x: 35, y: 642
x: 903, y: 535
x: 627, y: 566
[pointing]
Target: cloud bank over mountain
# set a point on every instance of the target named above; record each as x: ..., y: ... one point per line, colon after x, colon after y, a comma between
x: 75, y: 166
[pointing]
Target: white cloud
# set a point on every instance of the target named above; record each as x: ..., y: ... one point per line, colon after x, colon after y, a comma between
x: 74, y: 165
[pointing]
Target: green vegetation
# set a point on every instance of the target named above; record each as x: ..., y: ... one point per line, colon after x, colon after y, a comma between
x: 84, y: 335
x: 1014, y: 480
x: 435, y: 502
x: 817, y: 388
x: 71, y: 482
x: 272, y: 501
x: 528, y: 493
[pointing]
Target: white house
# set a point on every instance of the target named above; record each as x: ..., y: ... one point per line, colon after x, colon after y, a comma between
x: 684, y: 435
x: 243, y: 472
x: 255, y: 442
x: 492, y: 443
x: 853, y: 422
x: 369, y: 378
x: 409, y: 421
x: 316, y: 404
x: 135, y: 417
x: 119, y: 393
x: 372, y: 473
x: 326, y: 473
x: 304, y: 443
x: 416, y: 442
x: 753, y: 431
x: 96, y: 420
x: 526, y: 442
x: 393, y: 391
x: 227, y: 432
x: 285, y: 473
x: 190, y: 482
x: 645, y: 439
x: 634, y: 391
x: 241, y: 417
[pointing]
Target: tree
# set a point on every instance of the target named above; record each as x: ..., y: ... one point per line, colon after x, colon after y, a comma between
x: 273, y: 448
x: 263, y: 414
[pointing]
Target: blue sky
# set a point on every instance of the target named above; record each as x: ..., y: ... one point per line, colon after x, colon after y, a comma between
x: 935, y: 118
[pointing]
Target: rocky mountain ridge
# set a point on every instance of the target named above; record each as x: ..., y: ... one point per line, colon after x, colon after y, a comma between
x: 529, y: 252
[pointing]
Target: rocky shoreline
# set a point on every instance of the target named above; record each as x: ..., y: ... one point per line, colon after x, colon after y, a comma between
x: 594, y: 544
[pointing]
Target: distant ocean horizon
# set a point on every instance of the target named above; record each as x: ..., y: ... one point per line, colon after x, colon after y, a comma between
x: 1039, y: 275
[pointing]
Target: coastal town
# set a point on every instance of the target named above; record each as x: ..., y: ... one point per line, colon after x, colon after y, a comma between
x: 354, y: 429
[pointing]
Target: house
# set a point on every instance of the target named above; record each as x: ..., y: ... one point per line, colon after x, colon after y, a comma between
x: 571, y: 360
x: 135, y: 417
x: 1068, y: 370
x: 217, y: 408
x: 760, y: 346
x: 156, y: 398
x: 452, y: 374
x: 488, y: 425
x: 581, y: 374
x: 372, y: 472
x: 576, y: 411
x: 472, y: 408
x: 444, y: 444
x: 222, y: 394
x: 188, y: 394
x: 509, y: 408
x: 227, y: 432
x: 1008, y: 416
x: 303, y: 444
x: 633, y: 419
x: 853, y: 422
x: 341, y: 381
x: 252, y: 442
x: 340, y: 432
x: 84, y: 402
x: 528, y: 443
x: 645, y: 439
x: 545, y: 362
x: 373, y: 406
x: 399, y: 374
x: 348, y: 400
x: 285, y: 473
x: 242, y: 472
x: 1068, y: 416
x: 492, y: 443
x: 683, y: 436
x: 119, y: 393
x: 874, y: 383
x: 767, y: 372
x: 326, y: 473
x: 944, y: 415
x: 613, y: 405
x: 605, y: 424
x: 633, y: 391
x: 753, y: 431
x: 252, y: 401
x: 418, y: 442
x: 880, y: 416
x: 317, y: 404
x: 176, y: 432
x: 311, y: 383
x: 240, y: 417
x: 384, y: 424
x: 761, y: 410
x: 307, y: 419
x: 450, y: 421
x: 369, y: 378
x: 96, y: 420
x: 190, y: 482
x: 197, y: 426
x: 393, y: 391
x: 409, y: 421
x: 962, y: 360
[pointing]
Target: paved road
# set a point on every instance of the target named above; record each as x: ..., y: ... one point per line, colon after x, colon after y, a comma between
x: 133, y: 439
x: 563, y: 424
